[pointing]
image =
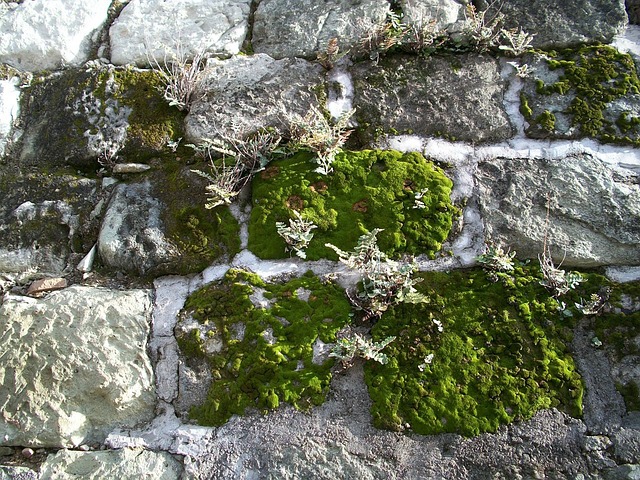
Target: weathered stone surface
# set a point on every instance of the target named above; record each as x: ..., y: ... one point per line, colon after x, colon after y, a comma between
x: 633, y: 10
x: 566, y: 23
x: 74, y: 366
x: 17, y: 473
x: 127, y: 463
x: 152, y: 29
x: 45, y: 220
x: 457, y: 97
x: 244, y: 94
x: 337, y: 440
x: 594, y: 215
x: 160, y: 226
x: 9, y: 109
x: 295, y: 28
x: 47, y: 34
x: 441, y: 14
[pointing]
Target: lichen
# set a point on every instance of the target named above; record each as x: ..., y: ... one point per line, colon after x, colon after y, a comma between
x: 594, y: 77
x: 368, y: 189
x: 264, y: 354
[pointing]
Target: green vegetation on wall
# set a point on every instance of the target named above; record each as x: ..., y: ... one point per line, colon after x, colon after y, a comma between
x: 261, y: 356
x: 594, y: 77
x: 368, y: 189
x: 502, y: 354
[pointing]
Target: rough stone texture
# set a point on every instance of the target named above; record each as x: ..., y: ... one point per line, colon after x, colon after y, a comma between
x: 337, y: 440
x: 633, y: 10
x: 442, y: 14
x: 244, y: 94
x: 594, y: 215
x: 303, y: 28
x: 152, y: 29
x: 74, y: 366
x: 17, y: 473
x: 132, y: 235
x: 458, y: 98
x: 563, y: 23
x: 127, y: 463
x: 9, y: 109
x: 47, y: 34
x: 45, y: 220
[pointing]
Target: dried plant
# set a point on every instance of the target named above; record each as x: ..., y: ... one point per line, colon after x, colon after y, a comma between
x: 523, y: 71
x: 180, y: 74
x: 241, y: 159
x: 482, y: 32
x: 297, y: 234
x: 331, y: 55
x: 320, y: 135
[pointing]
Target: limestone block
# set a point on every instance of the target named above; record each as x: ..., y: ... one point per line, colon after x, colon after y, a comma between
x: 74, y: 366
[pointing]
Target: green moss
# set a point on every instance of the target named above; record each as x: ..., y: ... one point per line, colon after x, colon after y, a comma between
x: 502, y: 355
x: 201, y: 235
x: 368, y: 189
x: 265, y: 355
x: 525, y: 109
x: 596, y: 76
x: 547, y: 121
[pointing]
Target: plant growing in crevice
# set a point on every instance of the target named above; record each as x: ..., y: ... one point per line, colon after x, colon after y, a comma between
x: 495, y: 259
x: 297, y: 234
x: 480, y: 31
x: 517, y: 42
x: 555, y: 279
x: 595, y: 304
x: 180, y: 74
x: 317, y: 133
x: 331, y: 55
x: 240, y: 160
x: 353, y: 345
x: 385, y: 282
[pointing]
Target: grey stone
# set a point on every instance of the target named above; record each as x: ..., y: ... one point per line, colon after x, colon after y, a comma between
x: 127, y: 463
x: 45, y: 220
x: 247, y: 93
x: 623, y: 472
x: 132, y: 236
x: 626, y: 445
x: 594, y: 216
x: 566, y: 23
x: 148, y: 29
x: 17, y: 473
x: 459, y: 97
x: 440, y: 14
x: 46, y: 34
x: 303, y: 28
x: 74, y: 366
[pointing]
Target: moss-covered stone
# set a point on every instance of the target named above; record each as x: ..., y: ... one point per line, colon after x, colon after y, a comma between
x: 502, y: 354
x: 258, y: 340
x: 368, y: 189
x: 593, y: 90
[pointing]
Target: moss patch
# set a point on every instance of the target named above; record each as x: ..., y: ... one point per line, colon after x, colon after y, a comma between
x: 261, y: 357
x: 368, y: 189
x: 201, y: 235
x: 502, y: 355
x: 595, y: 78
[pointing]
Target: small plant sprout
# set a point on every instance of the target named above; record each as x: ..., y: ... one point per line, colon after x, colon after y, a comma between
x: 523, y: 71
x: 180, y: 74
x: 331, y: 55
x: 174, y: 144
x: 418, y: 203
x: 426, y: 362
x: 554, y: 279
x: 385, y: 281
x: 321, y: 136
x: 517, y: 41
x: 297, y: 234
x: 226, y: 180
x: 594, y: 305
x: 496, y: 259
x: 348, y: 348
x: 481, y: 32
